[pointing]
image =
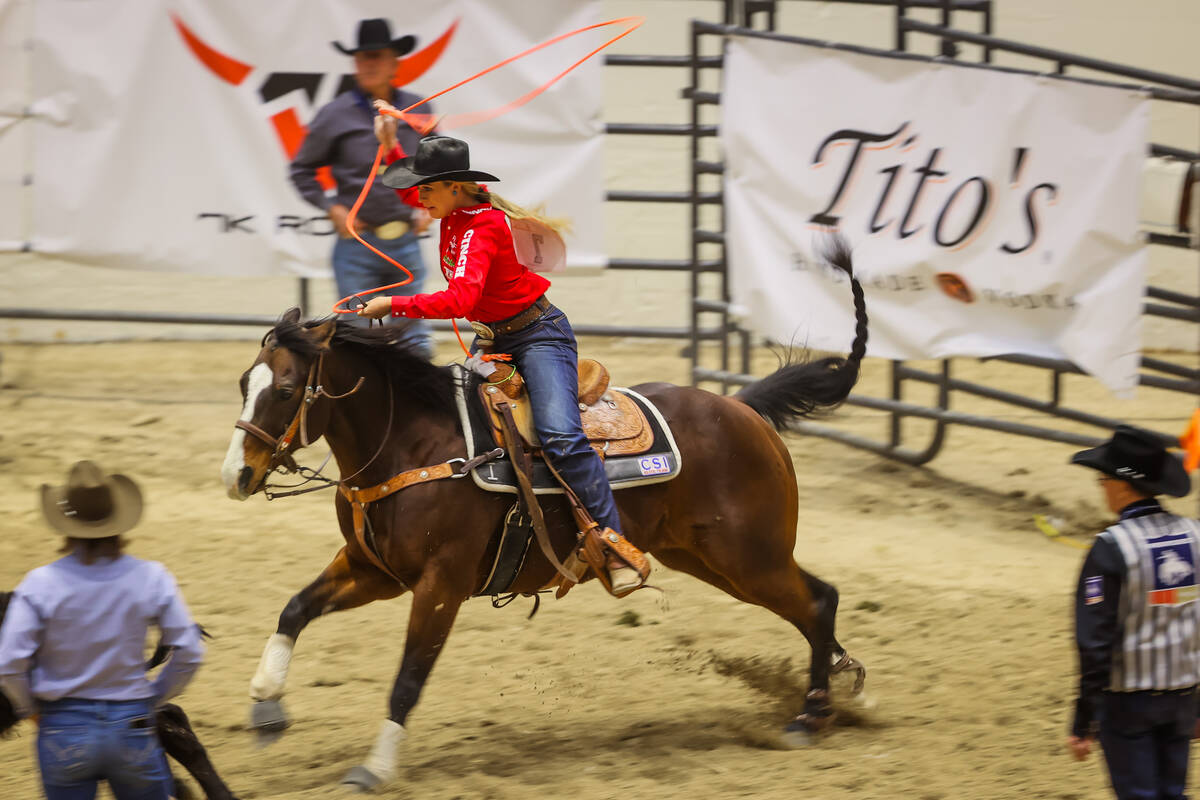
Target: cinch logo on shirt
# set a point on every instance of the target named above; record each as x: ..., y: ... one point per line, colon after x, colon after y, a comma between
x: 1174, y: 572
x: 1093, y: 590
x: 462, y: 254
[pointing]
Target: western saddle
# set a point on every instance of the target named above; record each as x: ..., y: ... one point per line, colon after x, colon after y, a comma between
x: 613, y: 424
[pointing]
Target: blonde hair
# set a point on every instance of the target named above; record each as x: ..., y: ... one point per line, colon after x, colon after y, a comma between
x: 512, y: 210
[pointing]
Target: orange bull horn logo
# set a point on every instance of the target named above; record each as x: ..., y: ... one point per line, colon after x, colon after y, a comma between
x: 289, y: 129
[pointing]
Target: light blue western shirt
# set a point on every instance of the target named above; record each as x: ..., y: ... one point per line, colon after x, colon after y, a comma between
x: 79, y: 630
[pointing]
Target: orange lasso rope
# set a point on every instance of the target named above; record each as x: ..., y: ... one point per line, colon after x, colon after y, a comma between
x: 425, y: 123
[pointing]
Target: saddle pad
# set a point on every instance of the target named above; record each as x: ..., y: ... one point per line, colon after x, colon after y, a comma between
x: 661, y: 462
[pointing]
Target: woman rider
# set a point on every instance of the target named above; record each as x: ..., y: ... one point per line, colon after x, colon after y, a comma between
x: 488, y: 284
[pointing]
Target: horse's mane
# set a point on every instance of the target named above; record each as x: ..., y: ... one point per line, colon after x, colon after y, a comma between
x: 432, y: 387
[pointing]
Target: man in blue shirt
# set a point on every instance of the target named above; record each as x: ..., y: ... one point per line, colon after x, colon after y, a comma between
x: 342, y: 137
x: 72, y: 646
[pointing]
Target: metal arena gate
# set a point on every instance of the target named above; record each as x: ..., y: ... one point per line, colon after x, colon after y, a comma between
x: 708, y: 242
x: 710, y: 324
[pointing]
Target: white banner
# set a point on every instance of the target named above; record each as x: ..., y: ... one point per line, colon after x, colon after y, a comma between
x: 989, y: 213
x: 162, y: 125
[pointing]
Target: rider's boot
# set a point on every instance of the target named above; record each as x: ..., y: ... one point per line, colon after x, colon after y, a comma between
x: 627, y: 566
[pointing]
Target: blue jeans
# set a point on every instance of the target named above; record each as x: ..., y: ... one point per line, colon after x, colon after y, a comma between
x: 81, y: 742
x: 356, y: 269
x: 546, y: 355
x: 1145, y: 737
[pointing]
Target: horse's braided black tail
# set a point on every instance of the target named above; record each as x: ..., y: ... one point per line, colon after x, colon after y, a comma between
x: 800, y: 390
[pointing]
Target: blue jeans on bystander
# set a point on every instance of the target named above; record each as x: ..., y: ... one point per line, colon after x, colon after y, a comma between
x: 546, y: 355
x: 82, y: 742
x: 356, y: 269
x: 1146, y: 737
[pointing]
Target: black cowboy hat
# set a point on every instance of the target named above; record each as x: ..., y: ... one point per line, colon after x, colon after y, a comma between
x: 1140, y: 458
x: 438, y: 158
x: 93, y: 505
x: 376, y: 34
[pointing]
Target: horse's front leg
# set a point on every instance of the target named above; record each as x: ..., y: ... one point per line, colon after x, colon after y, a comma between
x: 434, y: 608
x: 343, y: 584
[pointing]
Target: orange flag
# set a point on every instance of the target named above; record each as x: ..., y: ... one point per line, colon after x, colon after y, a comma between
x: 1190, y: 442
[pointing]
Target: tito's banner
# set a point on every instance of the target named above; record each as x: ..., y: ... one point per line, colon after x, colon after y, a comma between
x: 989, y: 213
x: 165, y: 127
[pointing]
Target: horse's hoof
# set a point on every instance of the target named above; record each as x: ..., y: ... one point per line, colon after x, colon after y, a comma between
x: 361, y: 779
x: 796, y: 738
x: 862, y: 702
x: 849, y: 669
x: 268, y: 716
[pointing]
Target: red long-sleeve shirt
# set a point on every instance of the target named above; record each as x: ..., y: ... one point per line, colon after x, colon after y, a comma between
x: 486, y: 281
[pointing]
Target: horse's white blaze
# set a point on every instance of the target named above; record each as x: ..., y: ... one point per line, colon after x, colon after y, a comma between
x: 259, y: 381
x: 381, y: 761
x: 267, y: 683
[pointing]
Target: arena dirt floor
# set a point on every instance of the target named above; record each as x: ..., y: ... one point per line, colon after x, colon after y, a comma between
x: 955, y: 601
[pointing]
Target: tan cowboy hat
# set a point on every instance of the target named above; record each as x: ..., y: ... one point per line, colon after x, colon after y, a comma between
x: 92, y: 505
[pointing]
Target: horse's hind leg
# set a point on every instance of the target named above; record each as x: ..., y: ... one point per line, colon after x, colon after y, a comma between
x: 342, y: 585
x: 807, y: 602
x: 841, y: 662
x: 683, y: 561
x: 811, y: 605
x: 180, y: 743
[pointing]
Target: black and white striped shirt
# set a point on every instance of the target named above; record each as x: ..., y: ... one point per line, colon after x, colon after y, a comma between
x: 1137, y: 619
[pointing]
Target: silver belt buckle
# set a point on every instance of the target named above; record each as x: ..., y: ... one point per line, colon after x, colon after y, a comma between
x: 482, y: 331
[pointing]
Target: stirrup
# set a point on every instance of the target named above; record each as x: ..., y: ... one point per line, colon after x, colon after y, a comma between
x: 601, y: 548
x: 624, y: 579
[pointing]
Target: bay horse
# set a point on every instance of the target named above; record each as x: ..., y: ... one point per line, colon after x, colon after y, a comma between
x: 729, y: 518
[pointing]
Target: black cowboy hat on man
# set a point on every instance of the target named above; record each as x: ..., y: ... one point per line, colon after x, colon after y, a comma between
x: 376, y: 34
x: 1140, y: 458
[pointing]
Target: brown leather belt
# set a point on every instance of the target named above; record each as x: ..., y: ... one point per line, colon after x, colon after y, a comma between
x: 522, y: 320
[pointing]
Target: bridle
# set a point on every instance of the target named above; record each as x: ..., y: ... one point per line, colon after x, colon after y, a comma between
x: 281, y: 457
